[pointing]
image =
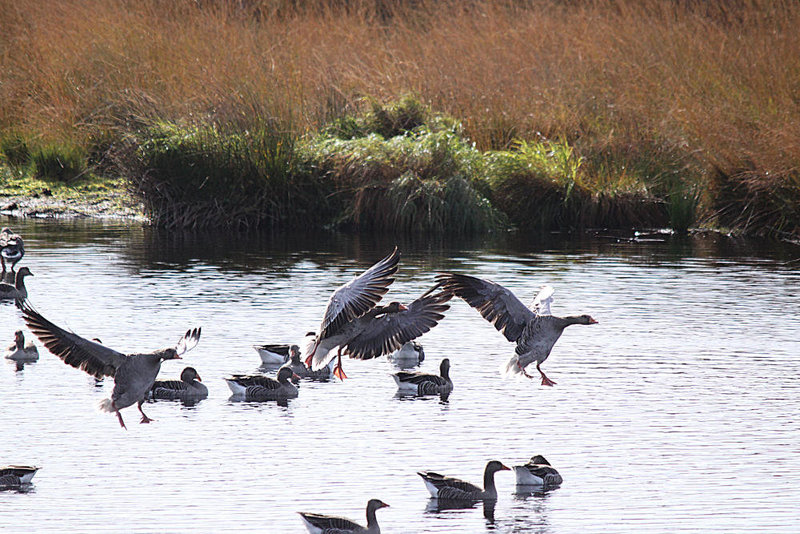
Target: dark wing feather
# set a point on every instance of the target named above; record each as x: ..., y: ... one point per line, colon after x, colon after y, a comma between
x: 495, y: 303
x: 420, y: 378
x: 389, y: 331
x: 168, y: 389
x: 282, y: 349
x: 94, y: 358
x: 332, y: 523
x: 360, y: 295
x: 256, y: 380
x: 442, y: 482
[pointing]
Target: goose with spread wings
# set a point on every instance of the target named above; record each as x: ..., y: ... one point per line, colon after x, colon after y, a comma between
x: 134, y: 374
x: 359, y: 327
x: 535, y: 330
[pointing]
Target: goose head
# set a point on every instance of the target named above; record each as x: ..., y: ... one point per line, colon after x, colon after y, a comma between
x: 189, y: 374
x: 494, y: 466
x: 285, y: 373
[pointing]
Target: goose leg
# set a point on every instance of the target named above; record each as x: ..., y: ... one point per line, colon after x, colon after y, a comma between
x: 311, y: 356
x: 145, y: 419
x: 545, y: 381
x: 119, y: 416
x: 524, y: 372
x: 338, y: 372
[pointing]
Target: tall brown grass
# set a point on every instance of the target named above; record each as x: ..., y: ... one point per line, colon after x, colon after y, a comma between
x: 642, y: 89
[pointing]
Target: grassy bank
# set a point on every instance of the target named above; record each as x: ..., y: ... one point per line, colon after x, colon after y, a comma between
x: 569, y: 114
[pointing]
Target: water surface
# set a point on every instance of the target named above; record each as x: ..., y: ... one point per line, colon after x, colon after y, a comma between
x: 677, y: 412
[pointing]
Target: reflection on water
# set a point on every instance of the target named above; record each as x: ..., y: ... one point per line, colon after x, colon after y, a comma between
x: 693, y: 365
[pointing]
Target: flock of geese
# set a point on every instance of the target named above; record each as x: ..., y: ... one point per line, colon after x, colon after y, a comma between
x: 354, y: 324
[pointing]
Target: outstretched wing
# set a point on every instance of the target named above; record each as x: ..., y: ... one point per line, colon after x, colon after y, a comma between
x: 390, y: 331
x: 359, y: 295
x: 543, y: 300
x: 94, y: 358
x: 188, y: 341
x: 495, y: 303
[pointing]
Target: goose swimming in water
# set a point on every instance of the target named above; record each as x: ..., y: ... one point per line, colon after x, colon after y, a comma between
x: 329, y: 524
x: 12, y: 249
x: 535, y: 331
x: 425, y: 384
x: 16, y: 291
x: 448, y: 488
x: 189, y: 387
x: 134, y: 374
x: 20, y: 351
x: 537, y: 472
x: 276, y: 354
x: 359, y: 327
x: 263, y: 388
x: 299, y: 368
x: 23, y: 473
x: 408, y: 355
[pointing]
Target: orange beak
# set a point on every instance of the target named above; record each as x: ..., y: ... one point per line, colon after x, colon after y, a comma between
x: 403, y: 307
x: 592, y: 321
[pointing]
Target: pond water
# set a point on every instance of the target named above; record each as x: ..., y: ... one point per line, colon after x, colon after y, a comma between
x: 677, y: 412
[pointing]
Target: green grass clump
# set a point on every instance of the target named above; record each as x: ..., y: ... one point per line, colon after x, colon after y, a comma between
x: 15, y: 150
x: 211, y: 175
x: 60, y: 162
x: 420, y: 181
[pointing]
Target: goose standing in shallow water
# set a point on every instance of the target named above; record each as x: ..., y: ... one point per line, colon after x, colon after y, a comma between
x: 263, y: 388
x: 329, y: 524
x: 189, y: 387
x: 448, y: 488
x: 20, y: 351
x: 537, y: 472
x: 134, y: 374
x: 425, y: 384
x: 358, y: 326
x: 16, y: 291
x: 12, y: 249
x: 535, y: 331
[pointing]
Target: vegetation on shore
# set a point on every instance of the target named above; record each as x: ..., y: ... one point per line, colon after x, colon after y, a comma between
x: 545, y: 115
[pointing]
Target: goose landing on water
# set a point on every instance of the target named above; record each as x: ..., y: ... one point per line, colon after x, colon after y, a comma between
x: 329, y: 524
x: 448, y: 488
x: 537, y: 472
x: 535, y: 331
x: 359, y: 327
x: 134, y: 374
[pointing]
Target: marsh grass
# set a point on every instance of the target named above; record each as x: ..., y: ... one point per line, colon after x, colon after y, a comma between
x: 633, y: 86
x: 62, y: 162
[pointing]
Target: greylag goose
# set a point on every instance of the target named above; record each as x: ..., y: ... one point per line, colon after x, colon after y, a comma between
x: 425, y: 384
x: 537, y: 472
x: 299, y: 368
x: 262, y: 388
x: 24, y: 473
x: 12, y: 249
x: 188, y: 387
x: 329, y: 524
x: 408, y: 355
x: 354, y: 323
x: 134, y: 374
x: 20, y: 351
x: 16, y: 291
x: 535, y: 331
x: 442, y: 487
x: 276, y: 354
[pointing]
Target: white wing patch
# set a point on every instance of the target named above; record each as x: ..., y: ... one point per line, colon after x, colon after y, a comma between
x: 541, y: 304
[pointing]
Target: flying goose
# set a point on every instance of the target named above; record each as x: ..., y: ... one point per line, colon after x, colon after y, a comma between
x: 358, y: 326
x: 12, y: 249
x: 535, y: 331
x: 134, y: 374
x: 329, y: 524
x: 425, y: 384
x: 20, y: 351
x: 17, y: 290
x: 537, y: 472
x: 408, y: 355
x: 262, y: 388
x: 188, y: 387
x: 442, y: 487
